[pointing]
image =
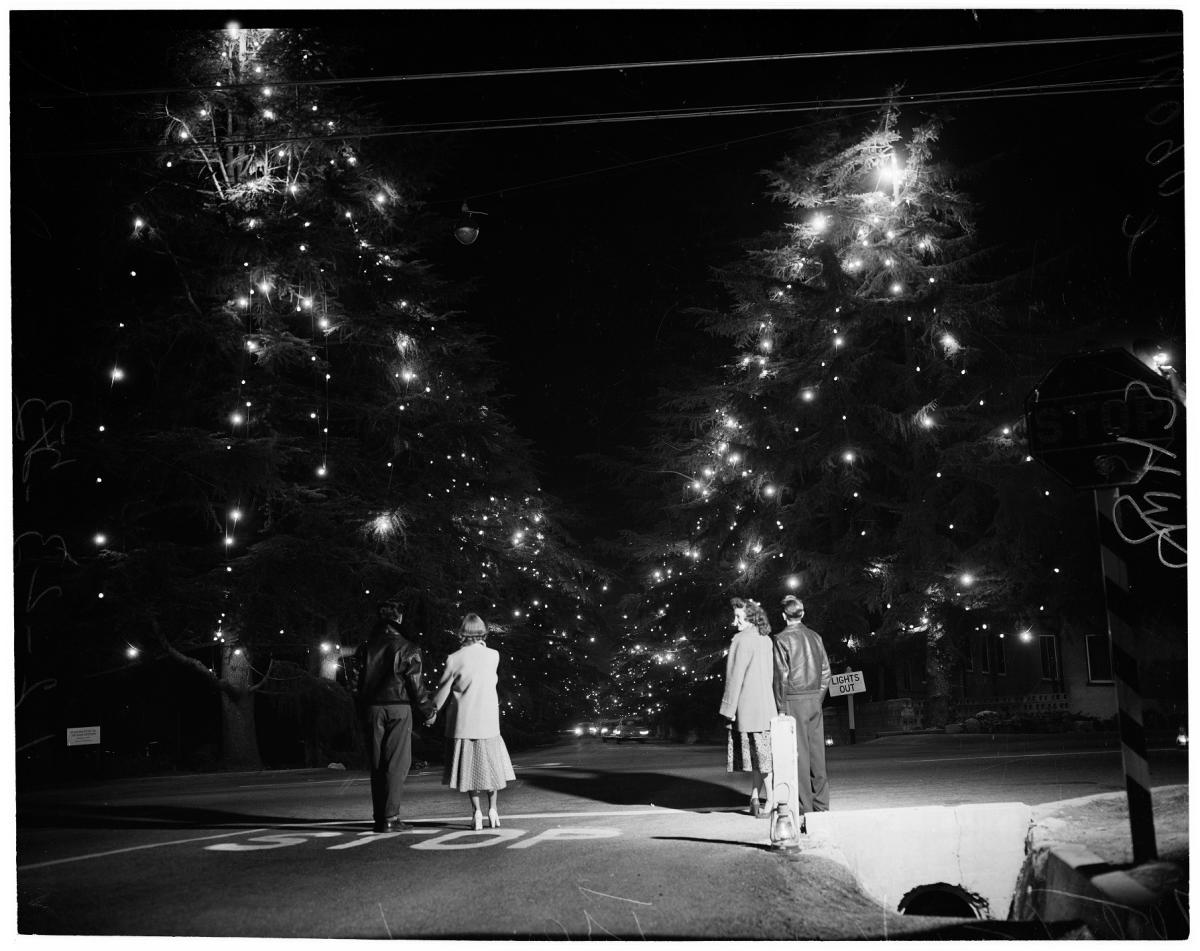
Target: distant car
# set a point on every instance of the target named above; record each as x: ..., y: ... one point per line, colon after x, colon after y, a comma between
x: 629, y: 728
x: 584, y: 729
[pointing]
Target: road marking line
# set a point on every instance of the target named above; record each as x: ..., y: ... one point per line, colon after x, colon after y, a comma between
x: 315, y: 782
x: 995, y: 756
x: 457, y: 819
x: 134, y: 848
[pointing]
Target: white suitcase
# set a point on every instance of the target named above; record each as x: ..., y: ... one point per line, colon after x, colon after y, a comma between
x: 784, y: 800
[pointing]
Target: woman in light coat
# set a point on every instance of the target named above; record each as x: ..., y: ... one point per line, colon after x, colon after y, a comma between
x: 477, y: 759
x: 749, y: 701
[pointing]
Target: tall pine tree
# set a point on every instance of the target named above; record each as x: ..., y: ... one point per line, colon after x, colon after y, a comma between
x: 295, y: 422
x: 864, y: 448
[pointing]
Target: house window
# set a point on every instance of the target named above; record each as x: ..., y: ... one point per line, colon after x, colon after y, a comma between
x: 905, y: 676
x: 998, y: 659
x: 1049, y: 645
x: 969, y: 656
x: 985, y: 665
x: 1099, y: 661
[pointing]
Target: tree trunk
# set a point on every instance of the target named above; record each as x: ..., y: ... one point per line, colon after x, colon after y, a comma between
x: 239, y: 741
x: 937, y: 678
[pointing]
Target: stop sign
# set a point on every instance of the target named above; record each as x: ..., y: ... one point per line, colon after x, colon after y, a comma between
x: 1100, y: 419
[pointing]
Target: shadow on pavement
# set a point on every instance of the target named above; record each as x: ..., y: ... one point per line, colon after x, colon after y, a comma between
x: 761, y: 846
x: 638, y: 789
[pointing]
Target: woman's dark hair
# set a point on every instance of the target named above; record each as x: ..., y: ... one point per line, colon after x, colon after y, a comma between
x: 754, y: 614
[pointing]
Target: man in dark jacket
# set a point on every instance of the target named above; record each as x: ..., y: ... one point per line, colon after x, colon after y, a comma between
x: 802, y: 678
x: 389, y: 686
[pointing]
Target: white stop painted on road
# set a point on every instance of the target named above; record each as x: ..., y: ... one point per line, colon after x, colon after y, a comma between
x: 481, y: 839
x: 270, y: 842
x: 565, y: 834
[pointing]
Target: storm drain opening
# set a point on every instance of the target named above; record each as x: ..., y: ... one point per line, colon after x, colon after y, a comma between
x: 943, y: 901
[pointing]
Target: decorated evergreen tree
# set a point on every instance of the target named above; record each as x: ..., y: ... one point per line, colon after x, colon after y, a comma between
x: 296, y: 424
x: 864, y: 448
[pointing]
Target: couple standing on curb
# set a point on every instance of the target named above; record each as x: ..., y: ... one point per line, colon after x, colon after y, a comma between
x: 764, y: 677
x: 390, y: 685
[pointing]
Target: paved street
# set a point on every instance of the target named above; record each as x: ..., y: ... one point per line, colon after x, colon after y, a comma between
x: 596, y: 841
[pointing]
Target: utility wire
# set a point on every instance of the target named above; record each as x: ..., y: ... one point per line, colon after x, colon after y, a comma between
x: 1125, y: 84
x: 646, y: 64
x: 725, y: 143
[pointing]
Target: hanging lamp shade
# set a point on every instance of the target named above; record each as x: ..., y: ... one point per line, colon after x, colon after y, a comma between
x: 466, y: 231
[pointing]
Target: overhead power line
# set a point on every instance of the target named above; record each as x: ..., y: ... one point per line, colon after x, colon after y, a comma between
x: 645, y: 64
x: 1123, y: 84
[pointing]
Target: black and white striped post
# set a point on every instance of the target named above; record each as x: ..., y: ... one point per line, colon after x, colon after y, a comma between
x: 1121, y: 608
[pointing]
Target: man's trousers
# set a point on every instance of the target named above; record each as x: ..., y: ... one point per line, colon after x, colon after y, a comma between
x: 810, y: 751
x: 388, y: 730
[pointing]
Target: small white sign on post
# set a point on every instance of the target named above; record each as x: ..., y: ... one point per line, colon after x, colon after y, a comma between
x: 850, y: 682
x: 83, y: 736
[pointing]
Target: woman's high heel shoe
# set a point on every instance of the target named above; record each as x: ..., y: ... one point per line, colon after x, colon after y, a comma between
x: 755, y: 807
x: 493, y: 819
x: 477, y: 821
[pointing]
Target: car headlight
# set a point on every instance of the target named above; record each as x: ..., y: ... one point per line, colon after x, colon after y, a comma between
x: 616, y: 732
x: 644, y: 732
x: 579, y: 731
x: 829, y: 741
x: 1182, y: 738
x: 591, y: 729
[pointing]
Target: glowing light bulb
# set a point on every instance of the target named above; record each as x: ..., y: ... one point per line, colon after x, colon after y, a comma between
x: 101, y: 540
x: 321, y: 471
x: 235, y: 514
x: 117, y: 374
x: 380, y: 198
x: 897, y: 288
x: 793, y: 582
x: 237, y: 419
x: 848, y: 456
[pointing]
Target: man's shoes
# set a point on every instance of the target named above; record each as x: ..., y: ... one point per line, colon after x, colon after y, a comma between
x: 395, y: 824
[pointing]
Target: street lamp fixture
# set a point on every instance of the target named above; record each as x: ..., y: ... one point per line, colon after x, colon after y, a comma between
x: 466, y: 232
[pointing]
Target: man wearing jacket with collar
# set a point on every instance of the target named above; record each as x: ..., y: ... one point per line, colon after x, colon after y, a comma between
x: 802, y: 678
x: 389, y: 686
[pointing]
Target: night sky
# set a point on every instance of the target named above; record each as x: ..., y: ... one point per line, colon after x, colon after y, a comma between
x: 600, y: 237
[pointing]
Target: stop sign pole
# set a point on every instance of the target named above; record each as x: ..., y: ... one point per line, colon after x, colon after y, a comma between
x: 1098, y: 421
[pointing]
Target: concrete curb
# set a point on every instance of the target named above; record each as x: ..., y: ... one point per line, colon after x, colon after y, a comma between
x: 1072, y: 883
x: 978, y: 848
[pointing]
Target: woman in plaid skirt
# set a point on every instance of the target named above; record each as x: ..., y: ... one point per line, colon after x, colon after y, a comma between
x: 749, y: 701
